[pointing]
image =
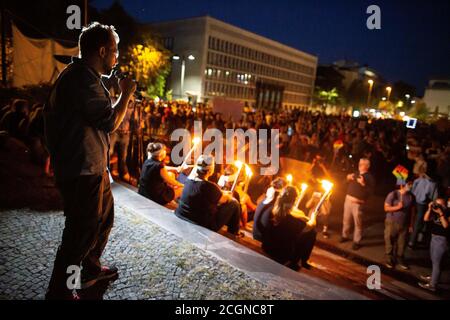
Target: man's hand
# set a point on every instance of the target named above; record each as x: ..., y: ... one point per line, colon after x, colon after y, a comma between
x: 351, y: 176
x: 361, y: 180
x: 127, y: 86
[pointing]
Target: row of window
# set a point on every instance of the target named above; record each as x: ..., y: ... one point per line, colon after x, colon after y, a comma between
x: 241, y: 51
x: 248, y: 93
x: 295, y: 99
x: 224, y: 61
x: 248, y: 79
x: 228, y: 90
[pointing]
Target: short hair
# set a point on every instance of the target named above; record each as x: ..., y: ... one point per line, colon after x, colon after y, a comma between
x: 365, y: 160
x: 95, y: 36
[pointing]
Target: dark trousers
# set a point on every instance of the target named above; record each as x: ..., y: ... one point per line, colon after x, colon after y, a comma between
x: 395, y: 237
x: 89, y: 212
x: 419, y: 224
x: 121, y: 141
x: 304, y: 246
x: 228, y: 214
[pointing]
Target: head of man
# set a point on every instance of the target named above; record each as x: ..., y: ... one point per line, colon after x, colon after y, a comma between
x: 205, y: 166
x: 156, y: 151
x: 363, y: 165
x: 98, y: 45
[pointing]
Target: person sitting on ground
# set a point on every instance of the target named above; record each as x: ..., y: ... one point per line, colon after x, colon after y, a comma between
x: 318, y: 173
x: 291, y: 235
x: 226, y: 182
x: 398, y: 206
x: 263, y: 212
x: 156, y: 182
x: 439, y: 216
x: 204, y: 203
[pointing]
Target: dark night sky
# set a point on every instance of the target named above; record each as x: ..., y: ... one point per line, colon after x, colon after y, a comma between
x: 412, y: 45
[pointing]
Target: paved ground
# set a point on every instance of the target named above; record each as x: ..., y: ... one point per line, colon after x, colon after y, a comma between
x: 372, y: 251
x: 154, y: 263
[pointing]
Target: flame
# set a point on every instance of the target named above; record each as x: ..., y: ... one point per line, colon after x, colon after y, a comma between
x: 238, y: 163
x: 304, y: 186
x: 196, y: 140
x: 289, y: 178
x: 248, y: 171
x: 327, y: 185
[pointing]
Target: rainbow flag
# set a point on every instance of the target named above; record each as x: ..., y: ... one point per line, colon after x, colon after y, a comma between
x: 338, y: 144
x: 401, y: 173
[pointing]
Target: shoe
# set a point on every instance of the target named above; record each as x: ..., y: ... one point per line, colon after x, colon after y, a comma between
x: 389, y: 264
x: 293, y: 266
x: 402, y: 265
x: 427, y: 286
x: 306, y: 265
x: 343, y: 239
x: 106, y: 273
x: 425, y: 278
x: 64, y: 295
x: 356, y: 246
x: 238, y: 235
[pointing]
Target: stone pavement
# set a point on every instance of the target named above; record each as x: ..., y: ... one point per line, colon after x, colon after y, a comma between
x: 187, y: 262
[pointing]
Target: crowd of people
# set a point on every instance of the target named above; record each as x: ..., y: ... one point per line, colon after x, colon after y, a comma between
x: 24, y: 121
x: 367, y: 149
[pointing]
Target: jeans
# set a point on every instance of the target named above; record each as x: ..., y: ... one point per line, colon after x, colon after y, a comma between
x: 438, y: 248
x: 89, y: 213
x: 395, y: 236
x: 419, y: 225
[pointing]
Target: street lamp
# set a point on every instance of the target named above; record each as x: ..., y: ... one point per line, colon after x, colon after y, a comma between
x: 370, y: 82
x: 388, y: 89
x: 183, y: 69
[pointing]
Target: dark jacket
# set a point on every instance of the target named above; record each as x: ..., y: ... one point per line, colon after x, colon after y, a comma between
x: 78, y: 119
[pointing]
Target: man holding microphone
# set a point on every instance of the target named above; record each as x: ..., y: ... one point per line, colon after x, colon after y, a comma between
x: 79, y: 118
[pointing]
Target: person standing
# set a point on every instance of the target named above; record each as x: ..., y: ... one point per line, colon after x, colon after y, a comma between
x: 360, y: 187
x: 439, y: 216
x: 425, y: 190
x: 120, y: 139
x: 398, y: 206
x: 78, y: 120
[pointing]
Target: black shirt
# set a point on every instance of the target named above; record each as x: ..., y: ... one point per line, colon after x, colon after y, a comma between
x: 436, y: 224
x: 281, y: 238
x: 78, y: 119
x: 152, y: 185
x: 358, y: 191
x: 199, y: 201
x: 262, y: 219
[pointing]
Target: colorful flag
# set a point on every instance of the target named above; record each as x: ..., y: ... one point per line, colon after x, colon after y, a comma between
x: 401, y: 173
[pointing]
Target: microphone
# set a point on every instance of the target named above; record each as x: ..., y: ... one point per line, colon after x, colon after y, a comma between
x: 120, y: 75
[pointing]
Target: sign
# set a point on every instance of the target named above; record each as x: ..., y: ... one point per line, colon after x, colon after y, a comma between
x: 401, y: 173
x: 228, y: 108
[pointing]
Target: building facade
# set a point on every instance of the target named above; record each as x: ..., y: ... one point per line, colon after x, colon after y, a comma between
x: 218, y: 60
x: 437, y: 96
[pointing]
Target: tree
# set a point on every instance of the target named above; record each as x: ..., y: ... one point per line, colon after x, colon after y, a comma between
x: 420, y: 111
x: 149, y: 64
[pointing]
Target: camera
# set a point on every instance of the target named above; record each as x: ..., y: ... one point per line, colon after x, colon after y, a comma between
x: 435, y: 206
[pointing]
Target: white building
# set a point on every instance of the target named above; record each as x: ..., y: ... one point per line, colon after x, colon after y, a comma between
x: 437, y: 96
x: 235, y: 64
